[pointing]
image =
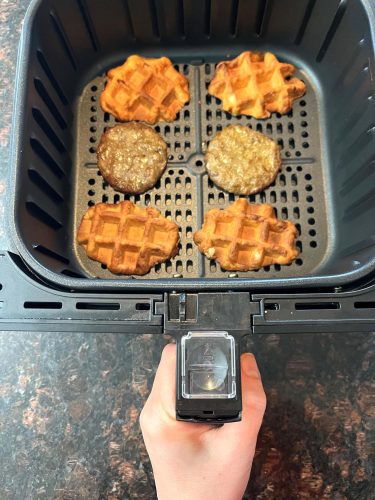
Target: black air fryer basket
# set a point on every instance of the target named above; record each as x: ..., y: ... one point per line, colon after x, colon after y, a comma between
x: 326, y: 185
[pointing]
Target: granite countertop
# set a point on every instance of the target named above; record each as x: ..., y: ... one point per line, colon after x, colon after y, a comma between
x: 69, y: 403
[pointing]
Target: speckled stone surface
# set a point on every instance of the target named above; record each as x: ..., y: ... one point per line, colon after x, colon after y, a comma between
x: 69, y: 403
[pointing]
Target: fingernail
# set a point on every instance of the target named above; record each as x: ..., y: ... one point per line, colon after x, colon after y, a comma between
x: 248, y: 365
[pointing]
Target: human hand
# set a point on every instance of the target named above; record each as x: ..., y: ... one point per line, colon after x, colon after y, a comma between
x: 200, y: 461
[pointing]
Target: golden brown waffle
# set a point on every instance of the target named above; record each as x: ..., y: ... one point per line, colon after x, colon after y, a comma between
x: 145, y: 89
x: 256, y: 84
x: 246, y: 236
x: 126, y: 238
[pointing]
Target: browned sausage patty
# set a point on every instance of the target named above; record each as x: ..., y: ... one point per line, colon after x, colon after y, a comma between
x: 131, y: 157
x: 242, y: 161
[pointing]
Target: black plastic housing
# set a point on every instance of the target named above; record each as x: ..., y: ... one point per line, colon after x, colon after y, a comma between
x: 327, y: 183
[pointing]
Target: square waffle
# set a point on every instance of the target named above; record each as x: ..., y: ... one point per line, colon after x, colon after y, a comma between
x: 246, y: 236
x: 126, y: 238
x: 145, y: 89
x: 256, y: 84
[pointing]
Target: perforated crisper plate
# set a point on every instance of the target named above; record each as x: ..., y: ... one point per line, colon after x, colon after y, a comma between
x: 185, y: 192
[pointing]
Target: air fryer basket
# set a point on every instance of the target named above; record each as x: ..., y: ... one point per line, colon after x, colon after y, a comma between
x: 327, y: 182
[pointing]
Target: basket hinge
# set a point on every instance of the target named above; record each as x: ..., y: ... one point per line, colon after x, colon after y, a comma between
x: 230, y: 311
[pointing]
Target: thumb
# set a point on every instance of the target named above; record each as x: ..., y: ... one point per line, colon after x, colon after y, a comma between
x: 253, y: 403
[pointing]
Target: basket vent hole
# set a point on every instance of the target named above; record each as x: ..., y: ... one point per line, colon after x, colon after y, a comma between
x: 312, y: 232
x: 189, y: 232
x: 189, y: 266
x: 310, y: 210
x: 311, y: 221
x: 313, y: 244
x: 179, y: 267
x: 302, y: 103
x: 305, y: 145
x: 299, y: 168
x: 189, y: 215
x: 299, y: 262
x: 211, y: 199
x: 189, y: 249
x: 178, y: 216
x: 308, y: 187
x: 212, y: 266
x: 188, y: 199
x: 303, y: 113
x: 295, y: 196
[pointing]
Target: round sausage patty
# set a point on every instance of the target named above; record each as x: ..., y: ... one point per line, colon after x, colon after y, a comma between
x: 131, y: 157
x: 242, y: 161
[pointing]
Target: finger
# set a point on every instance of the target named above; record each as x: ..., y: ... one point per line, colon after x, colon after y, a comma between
x: 253, y: 402
x: 163, y: 391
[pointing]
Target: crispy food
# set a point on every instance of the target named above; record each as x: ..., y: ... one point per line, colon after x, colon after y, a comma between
x: 256, y: 84
x: 126, y: 238
x: 242, y: 161
x: 246, y: 236
x: 145, y: 89
x: 131, y: 157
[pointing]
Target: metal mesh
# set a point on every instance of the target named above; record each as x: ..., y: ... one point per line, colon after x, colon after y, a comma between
x: 185, y: 192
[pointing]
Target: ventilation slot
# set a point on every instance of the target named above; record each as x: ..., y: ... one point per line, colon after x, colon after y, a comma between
x: 181, y: 19
x: 207, y: 19
x: 63, y: 39
x: 271, y: 307
x: 154, y: 19
x: 332, y: 30
x: 309, y: 306
x: 51, y: 77
x: 98, y: 306
x: 89, y: 24
x: 259, y: 22
x: 305, y: 21
x: 46, y: 158
x: 234, y: 15
x: 44, y: 186
x: 37, y: 212
x: 143, y: 306
x: 39, y: 87
x: 42, y: 305
x: 364, y: 305
x: 47, y: 129
x: 50, y: 253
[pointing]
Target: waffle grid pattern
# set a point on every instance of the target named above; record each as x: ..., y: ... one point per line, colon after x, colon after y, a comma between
x: 125, y: 239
